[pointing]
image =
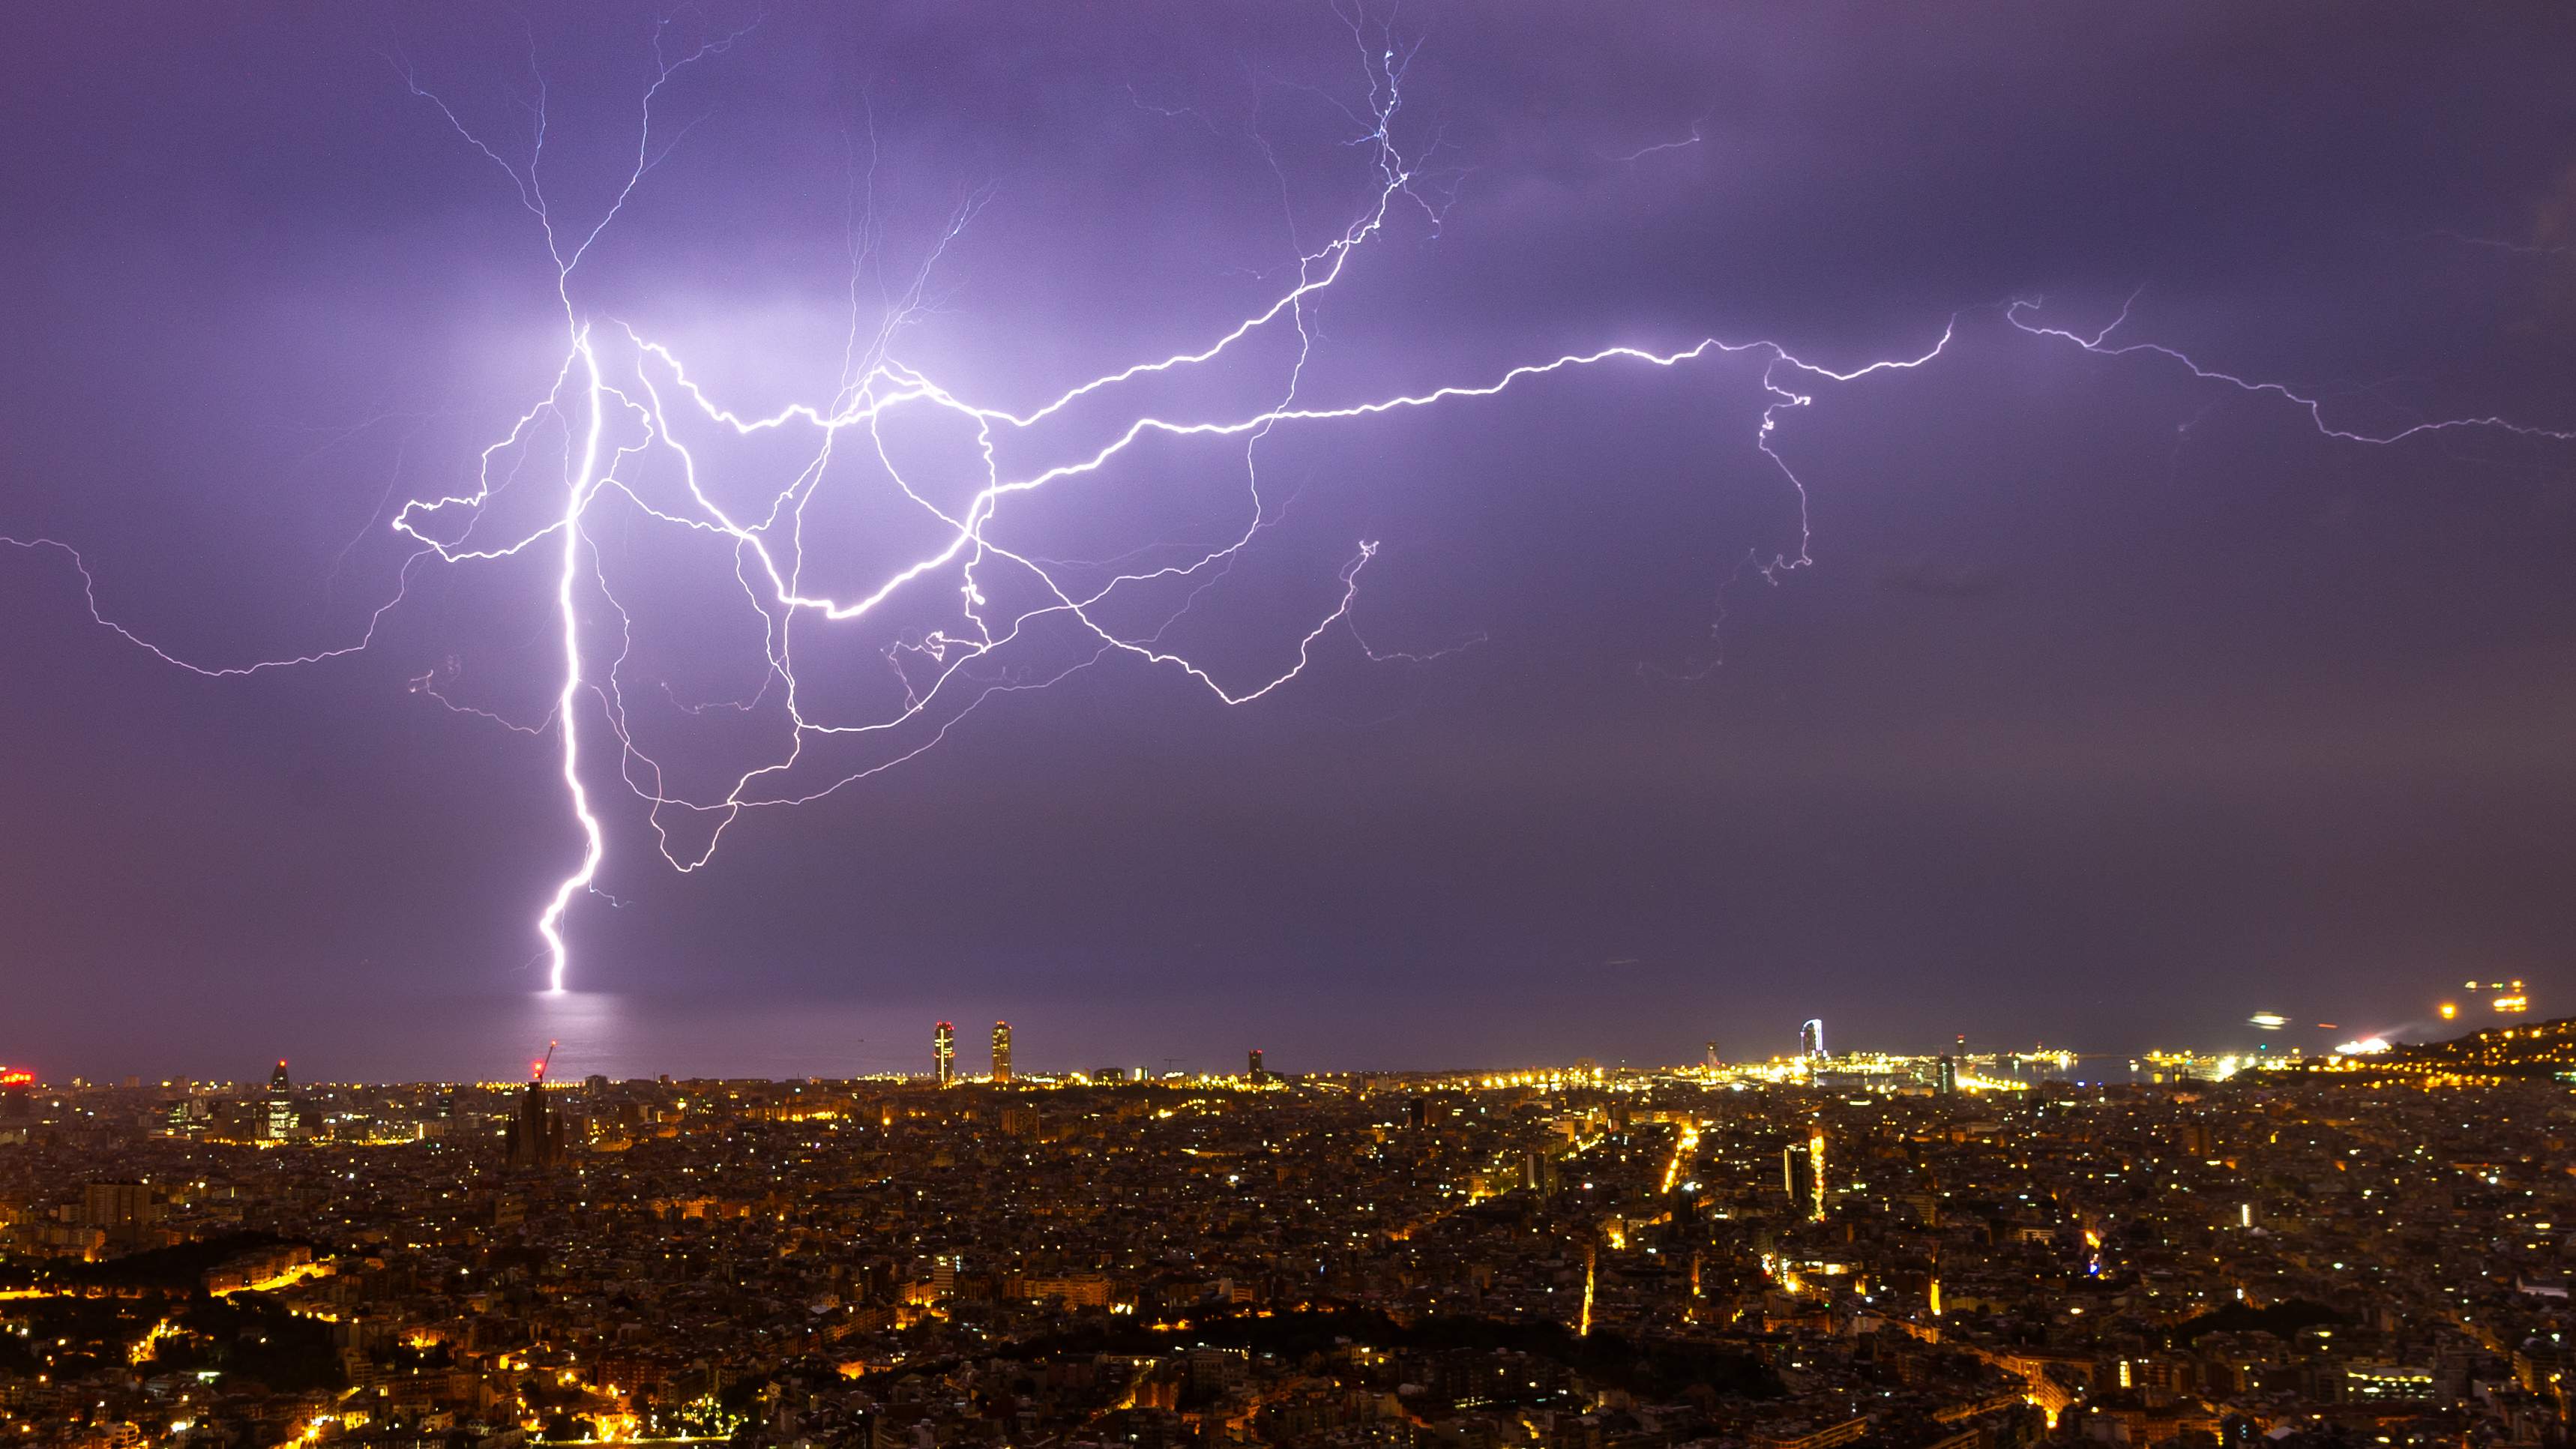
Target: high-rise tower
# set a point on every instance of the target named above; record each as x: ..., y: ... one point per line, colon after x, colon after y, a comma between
x: 1798, y: 1178
x: 280, y: 1122
x: 1001, y: 1051
x: 536, y: 1134
x: 1811, y: 1038
x: 943, y: 1053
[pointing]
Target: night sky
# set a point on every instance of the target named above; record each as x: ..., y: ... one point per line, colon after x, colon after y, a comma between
x: 2116, y: 705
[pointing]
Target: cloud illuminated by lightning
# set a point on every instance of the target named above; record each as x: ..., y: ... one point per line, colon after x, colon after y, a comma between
x: 627, y: 403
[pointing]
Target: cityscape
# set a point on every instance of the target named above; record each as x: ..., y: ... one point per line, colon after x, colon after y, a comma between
x: 1288, y: 724
x: 1972, y: 1250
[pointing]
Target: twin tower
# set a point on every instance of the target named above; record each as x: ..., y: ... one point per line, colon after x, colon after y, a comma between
x: 943, y: 1052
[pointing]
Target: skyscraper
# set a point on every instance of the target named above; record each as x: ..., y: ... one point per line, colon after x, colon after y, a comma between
x: 1947, y: 1082
x: 1799, y: 1177
x: 536, y: 1135
x: 280, y: 1122
x: 1811, y: 1038
x: 1254, y: 1070
x: 1001, y: 1051
x: 943, y: 1053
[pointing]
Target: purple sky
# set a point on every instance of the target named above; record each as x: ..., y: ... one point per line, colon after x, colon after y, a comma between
x: 2116, y: 706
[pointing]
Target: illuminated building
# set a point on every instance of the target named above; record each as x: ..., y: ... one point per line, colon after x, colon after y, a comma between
x: 1946, y: 1080
x: 1802, y: 1171
x: 1254, y: 1070
x: 1001, y: 1051
x: 2367, y: 1381
x: 536, y: 1135
x: 1816, y: 1160
x: 2510, y: 999
x: 14, y: 1103
x: 279, y: 1124
x: 943, y: 1274
x: 1811, y: 1038
x: 943, y: 1054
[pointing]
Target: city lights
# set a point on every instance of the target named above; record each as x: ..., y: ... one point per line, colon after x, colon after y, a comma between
x: 1406, y: 604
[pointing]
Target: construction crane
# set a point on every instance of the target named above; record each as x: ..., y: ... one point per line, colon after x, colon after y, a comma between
x: 537, y: 1069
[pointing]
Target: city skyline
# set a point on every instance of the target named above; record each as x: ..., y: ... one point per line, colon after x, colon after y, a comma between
x: 1558, y: 1258
x: 1939, y: 1063
x: 492, y: 1036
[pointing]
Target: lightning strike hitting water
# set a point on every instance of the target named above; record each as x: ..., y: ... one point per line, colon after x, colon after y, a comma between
x: 624, y: 400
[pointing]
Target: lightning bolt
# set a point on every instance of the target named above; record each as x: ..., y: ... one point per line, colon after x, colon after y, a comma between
x: 622, y: 399
x: 2099, y: 343
x: 1693, y: 139
x: 2498, y: 244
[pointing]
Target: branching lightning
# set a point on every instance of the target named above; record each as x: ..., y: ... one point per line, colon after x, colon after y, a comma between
x: 625, y: 400
x: 2100, y: 343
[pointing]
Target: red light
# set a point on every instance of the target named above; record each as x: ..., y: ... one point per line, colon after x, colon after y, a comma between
x: 16, y: 1078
